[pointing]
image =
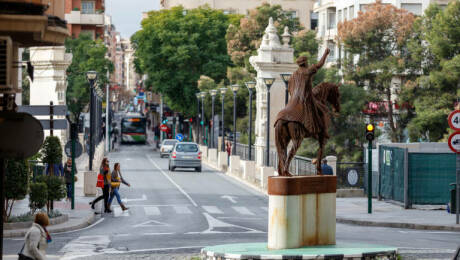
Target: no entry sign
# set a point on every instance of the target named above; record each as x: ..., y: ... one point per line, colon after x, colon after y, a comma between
x: 454, y: 120
x: 454, y: 142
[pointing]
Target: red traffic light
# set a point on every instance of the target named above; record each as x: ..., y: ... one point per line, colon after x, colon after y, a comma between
x: 190, y: 120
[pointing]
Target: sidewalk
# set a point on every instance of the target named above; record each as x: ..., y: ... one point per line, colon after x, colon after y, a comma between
x: 384, y: 213
x: 82, y: 216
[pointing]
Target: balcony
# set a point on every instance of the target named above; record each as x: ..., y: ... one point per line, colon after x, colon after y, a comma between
x: 323, y: 4
x: 76, y: 17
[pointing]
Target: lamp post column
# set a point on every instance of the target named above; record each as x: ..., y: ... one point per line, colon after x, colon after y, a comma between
x: 286, y: 77
x: 250, y: 85
x: 198, y: 121
x: 91, y: 126
x: 213, y: 97
x: 202, y: 118
x: 222, y: 94
x: 235, y: 90
x: 268, y: 82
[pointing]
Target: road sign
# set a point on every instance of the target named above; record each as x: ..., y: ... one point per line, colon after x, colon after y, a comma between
x: 164, y: 128
x: 58, y: 124
x: 78, y: 149
x: 180, y: 137
x: 44, y: 110
x: 454, y: 142
x: 454, y: 120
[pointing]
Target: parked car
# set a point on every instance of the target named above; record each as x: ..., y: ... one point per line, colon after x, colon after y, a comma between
x: 167, y: 146
x: 185, y: 155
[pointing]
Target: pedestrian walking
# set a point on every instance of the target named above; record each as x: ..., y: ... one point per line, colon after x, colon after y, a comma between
x: 68, y: 177
x: 105, y: 172
x: 326, y: 169
x: 36, y: 239
x: 117, y: 179
x: 114, y: 135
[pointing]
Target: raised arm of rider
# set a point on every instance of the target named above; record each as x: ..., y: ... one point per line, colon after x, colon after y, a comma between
x: 320, y: 64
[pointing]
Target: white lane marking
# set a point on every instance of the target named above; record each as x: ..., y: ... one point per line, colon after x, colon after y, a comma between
x: 212, y: 209
x: 214, y: 223
x: 245, y: 218
x: 85, y: 246
x: 182, y: 210
x: 243, y: 211
x: 151, y: 223
x: 153, y: 249
x: 81, y: 229
x: 122, y: 235
x: 143, y: 198
x: 157, y: 234
x: 230, y: 198
x: 428, y: 232
x: 118, y: 212
x: 264, y: 208
x: 151, y: 211
x: 174, y: 183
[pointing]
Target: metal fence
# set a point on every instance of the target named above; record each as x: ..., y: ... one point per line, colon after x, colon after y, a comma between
x: 299, y: 165
x: 350, y: 175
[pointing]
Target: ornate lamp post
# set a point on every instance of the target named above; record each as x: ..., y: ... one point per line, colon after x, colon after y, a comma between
x: 234, y: 88
x: 250, y: 85
x: 268, y: 82
x: 198, y: 95
x: 222, y: 95
x: 202, y: 95
x: 213, y: 93
x: 286, y: 77
x: 91, y: 76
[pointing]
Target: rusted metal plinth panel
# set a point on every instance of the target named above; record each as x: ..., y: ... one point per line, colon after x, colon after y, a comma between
x: 302, y: 211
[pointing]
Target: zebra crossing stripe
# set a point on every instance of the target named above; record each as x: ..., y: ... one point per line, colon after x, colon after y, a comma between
x: 243, y: 211
x: 182, y: 210
x: 117, y: 212
x: 152, y: 211
x: 264, y: 208
x: 212, y: 210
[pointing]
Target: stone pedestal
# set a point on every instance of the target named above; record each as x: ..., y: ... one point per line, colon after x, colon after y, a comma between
x: 90, y: 183
x: 234, y: 166
x: 248, y: 171
x: 222, y: 160
x: 204, y: 152
x: 212, y: 157
x: 302, y: 211
x: 265, y: 173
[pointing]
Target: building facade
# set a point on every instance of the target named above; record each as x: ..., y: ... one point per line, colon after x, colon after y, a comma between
x: 296, y: 8
x: 332, y: 12
x: 85, y: 16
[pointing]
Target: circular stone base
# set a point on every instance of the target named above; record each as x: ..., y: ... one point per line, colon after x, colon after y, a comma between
x: 260, y: 251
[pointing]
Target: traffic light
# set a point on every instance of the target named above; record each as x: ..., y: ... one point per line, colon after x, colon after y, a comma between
x: 165, y: 120
x: 370, y: 132
x: 174, y: 120
x: 190, y: 120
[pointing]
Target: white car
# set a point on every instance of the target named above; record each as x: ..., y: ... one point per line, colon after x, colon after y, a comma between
x: 167, y: 146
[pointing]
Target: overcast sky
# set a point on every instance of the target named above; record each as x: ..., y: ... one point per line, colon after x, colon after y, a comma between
x: 127, y: 14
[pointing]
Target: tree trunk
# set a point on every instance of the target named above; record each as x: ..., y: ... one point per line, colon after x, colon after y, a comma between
x: 393, y: 133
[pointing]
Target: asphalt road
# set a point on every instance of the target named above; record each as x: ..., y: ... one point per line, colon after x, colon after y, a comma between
x: 183, y: 211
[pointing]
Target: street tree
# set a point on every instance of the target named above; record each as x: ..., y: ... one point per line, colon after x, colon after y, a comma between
x: 245, y: 39
x: 305, y: 44
x: 435, y: 56
x: 16, y: 183
x: 177, y: 46
x: 87, y: 55
x: 375, y: 43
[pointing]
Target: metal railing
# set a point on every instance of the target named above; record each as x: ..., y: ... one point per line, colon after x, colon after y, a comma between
x: 299, y: 165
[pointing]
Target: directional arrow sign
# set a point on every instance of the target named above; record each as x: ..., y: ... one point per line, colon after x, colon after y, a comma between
x: 151, y: 223
x: 144, y: 198
x: 230, y: 198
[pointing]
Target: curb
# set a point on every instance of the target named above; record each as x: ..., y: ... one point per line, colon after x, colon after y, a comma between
x: 20, y: 225
x: 85, y: 221
x: 396, y: 225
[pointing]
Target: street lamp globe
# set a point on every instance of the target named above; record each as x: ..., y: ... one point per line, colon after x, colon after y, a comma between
x: 203, y: 94
x: 235, y: 88
x: 91, y: 75
x: 250, y: 85
x: 198, y: 95
x: 286, y: 77
x: 269, y: 81
x: 223, y: 91
x: 213, y: 92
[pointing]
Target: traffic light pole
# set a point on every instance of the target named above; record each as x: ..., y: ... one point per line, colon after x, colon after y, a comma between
x: 369, y: 177
x: 73, y: 133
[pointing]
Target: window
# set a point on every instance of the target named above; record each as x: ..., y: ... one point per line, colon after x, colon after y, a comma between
x: 291, y: 14
x: 61, y: 95
x: 331, y: 46
x: 413, y: 8
x: 90, y: 32
x: 323, y: 24
x: 313, y: 20
x: 339, y: 16
x: 87, y: 7
x: 230, y: 11
x: 345, y: 13
x: 351, y: 12
x: 331, y: 20
x: 363, y: 7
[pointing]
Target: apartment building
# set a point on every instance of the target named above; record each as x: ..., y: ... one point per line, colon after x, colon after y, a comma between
x: 332, y: 12
x: 85, y: 16
x: 296, y: 8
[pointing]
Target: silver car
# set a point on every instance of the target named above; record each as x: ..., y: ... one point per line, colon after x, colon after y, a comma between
x: 185, y: 155
x: 167, y: 146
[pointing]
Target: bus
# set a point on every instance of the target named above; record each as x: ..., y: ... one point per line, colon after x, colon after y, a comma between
x: 133, y: 128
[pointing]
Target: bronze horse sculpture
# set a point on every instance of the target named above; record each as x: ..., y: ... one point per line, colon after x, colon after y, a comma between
x: 306, y: 114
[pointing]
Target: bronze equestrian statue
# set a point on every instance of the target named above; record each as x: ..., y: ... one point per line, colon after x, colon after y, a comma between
x: 306, y: 114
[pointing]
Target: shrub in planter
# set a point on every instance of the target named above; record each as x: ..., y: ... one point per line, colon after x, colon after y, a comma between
x: 16, y: 182
x: 51, y: 152
x: 55, y: 188
x: 38, y: 196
